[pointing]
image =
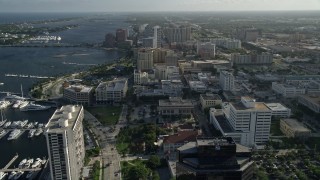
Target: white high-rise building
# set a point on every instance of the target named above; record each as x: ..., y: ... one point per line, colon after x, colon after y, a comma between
x: 226, y: 81
x: 252, y: 117
x: 157, y: 37
x: 247, y: 122
x: 64, y: 136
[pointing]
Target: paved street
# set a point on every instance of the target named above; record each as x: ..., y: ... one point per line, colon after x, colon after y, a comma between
x: 110, y: 156
x: 203, y: 121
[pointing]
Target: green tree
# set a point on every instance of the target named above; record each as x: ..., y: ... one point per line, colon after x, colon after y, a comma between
x: 155, y: 175
x: 137, y: 172
x: 153, y: 162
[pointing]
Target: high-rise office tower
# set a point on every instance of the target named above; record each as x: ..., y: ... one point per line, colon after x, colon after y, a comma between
x: 64, y: 136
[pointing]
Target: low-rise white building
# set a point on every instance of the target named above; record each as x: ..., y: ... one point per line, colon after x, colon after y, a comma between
x: 292, y: 128
x: 78, y: 94
x: 287, y: 90
x: 197, y: 86
x: 112, y: 92
x: 279, y: 110
x: 210, y: 100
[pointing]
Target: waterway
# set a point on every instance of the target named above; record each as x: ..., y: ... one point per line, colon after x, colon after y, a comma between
x: 50, y: 61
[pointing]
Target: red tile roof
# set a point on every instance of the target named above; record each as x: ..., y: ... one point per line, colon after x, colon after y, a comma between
x: 180, y: 137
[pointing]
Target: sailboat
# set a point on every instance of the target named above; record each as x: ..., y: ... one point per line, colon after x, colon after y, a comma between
x: 3, y: 119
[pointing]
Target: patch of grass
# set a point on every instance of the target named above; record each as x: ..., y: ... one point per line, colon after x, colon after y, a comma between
x: 275, y: 128
x: 122, y: 147
x: 96, y: 170
x: 106, y: 115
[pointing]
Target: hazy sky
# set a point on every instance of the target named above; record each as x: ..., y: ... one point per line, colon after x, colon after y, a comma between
x: 154, y: 5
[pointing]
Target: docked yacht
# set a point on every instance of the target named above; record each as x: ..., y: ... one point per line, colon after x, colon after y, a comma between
x: 4, y: 104
x: 40, y: 125
x: 23, y: 104
x: 18, y: 175
x: 22, y: 163
x: 3, y: 175
x: 34, y: 107
x: 15, y: 124
x: 31, y: 133
x: 2, y: 122
x: 14, y: 134
x: 38, y: 132
x: 28, y: 163
x: 3, y: 118
x: 12, y: 174
x: 37, y: 163
x: 7, y: 124
x: 30, y: 125
x: 3, y: 133
x: 24, y: 123
x: 29, y: 175
x: 17, y: 104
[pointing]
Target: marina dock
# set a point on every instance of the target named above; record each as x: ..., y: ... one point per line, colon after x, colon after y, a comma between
x: 18, y: 169
x: 10, y: 162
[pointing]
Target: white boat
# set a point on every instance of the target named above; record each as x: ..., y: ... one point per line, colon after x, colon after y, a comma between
x: 14, y: 134
x: 12, y: 98
x: 30, y: 125
x: 24, y: 123
x: 17, y: 104
x: 43, y: 161
x: 7, y: 124
x: 37, y: 163
x: 31, y: 133
x: 38, y: 132
x: 15, y: 124
x: 3, y: 175
x: 12, y: 174
x: 4, y: 104
x: 1, y: 84
x: 3, y: 119
x: 21, y: 164
x: 18, y: 175
x: 3, y: 133
x: 23, y: 104
x: 35, y: 123
x: 40, y: 125
x: 34, y: 107
x: 29, y: 175
x: 28, y: 163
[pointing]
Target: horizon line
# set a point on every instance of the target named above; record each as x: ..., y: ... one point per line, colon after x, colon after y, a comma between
x: 158, y: 11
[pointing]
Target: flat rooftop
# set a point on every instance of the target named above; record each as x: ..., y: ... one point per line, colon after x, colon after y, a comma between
x: 315, y: 99
x: 258, y: 106
x: 294, y: 124
x: 175, y: 102
x: 67, y: 113
x: 210, y: 96
x: 214, y: 141
x: 276, y: 106
x: 79, y: 88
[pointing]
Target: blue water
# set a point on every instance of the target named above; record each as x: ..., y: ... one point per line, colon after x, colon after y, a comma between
x: 50, y: 61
